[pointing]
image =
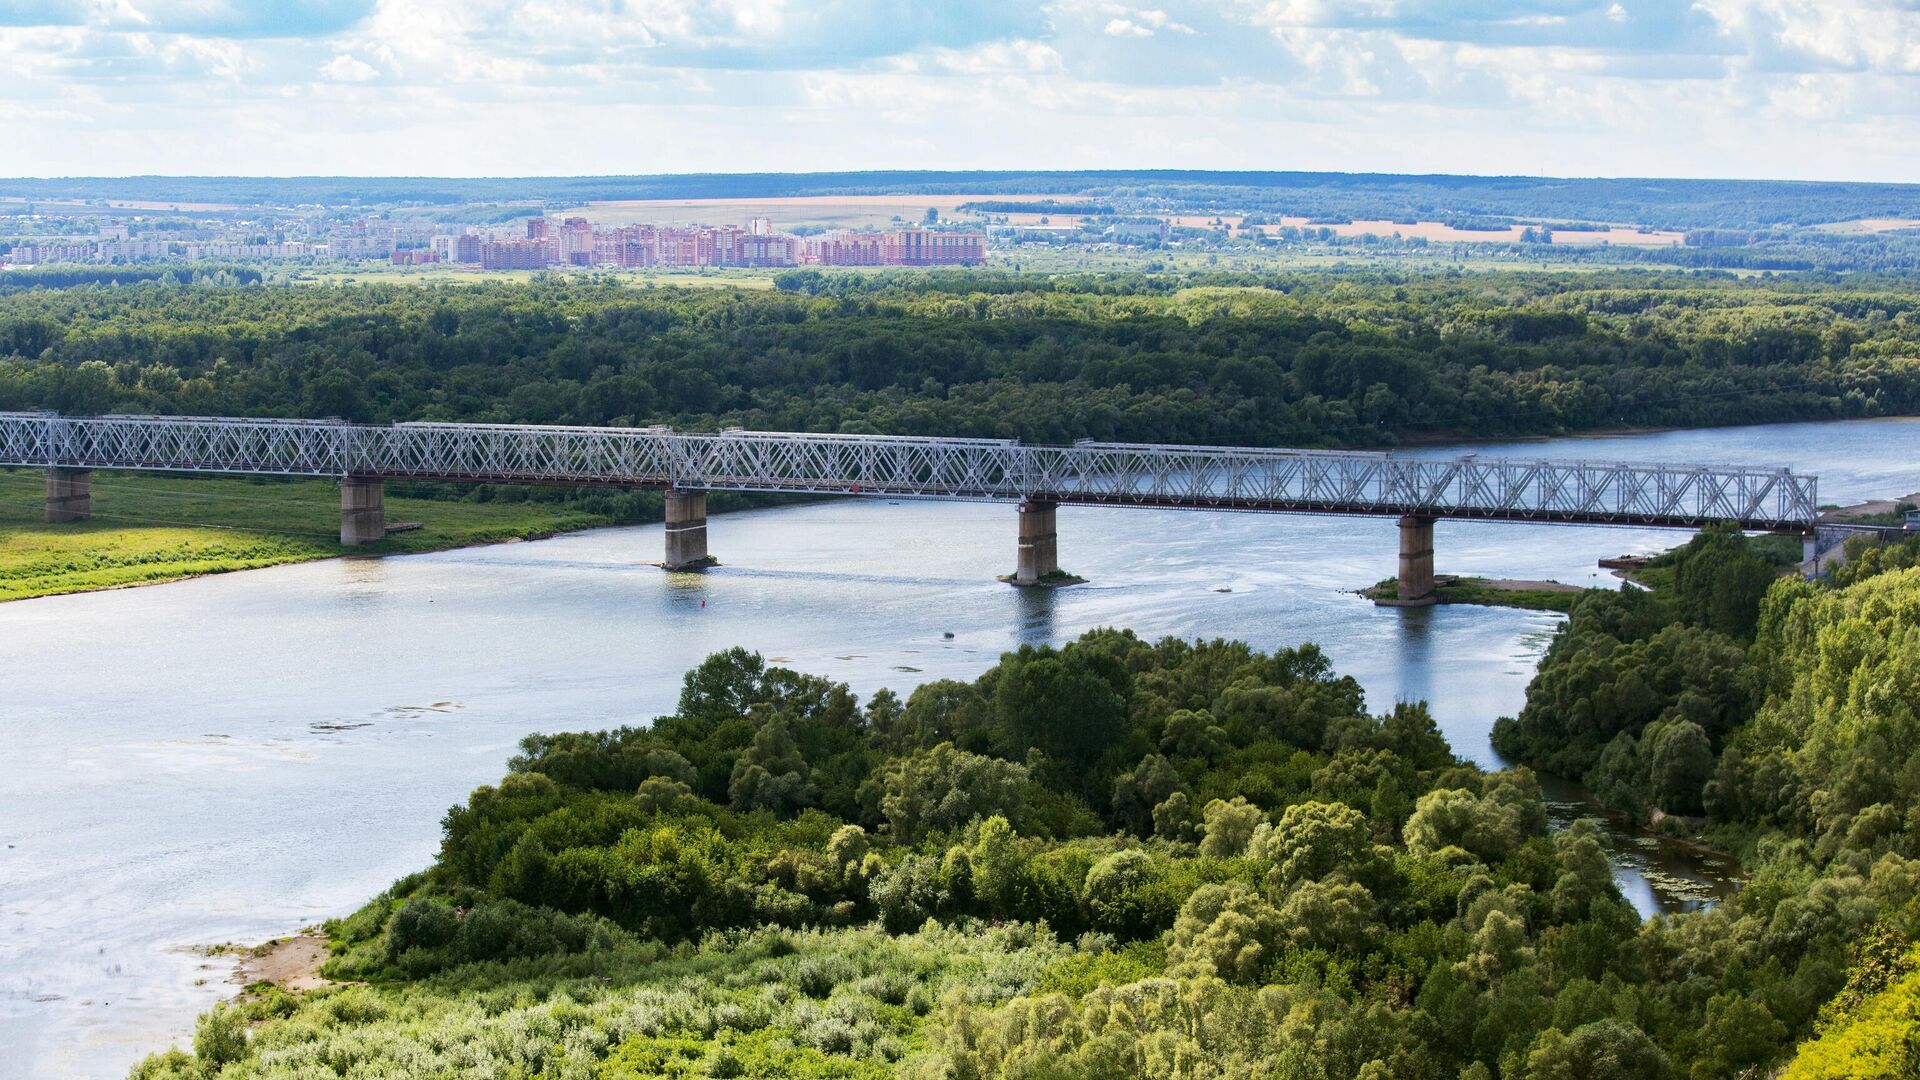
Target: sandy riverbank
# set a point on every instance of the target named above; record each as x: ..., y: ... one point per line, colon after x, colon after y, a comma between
x: 291, y: 963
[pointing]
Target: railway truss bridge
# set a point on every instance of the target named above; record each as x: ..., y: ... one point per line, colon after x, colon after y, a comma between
x: 1037, y: 479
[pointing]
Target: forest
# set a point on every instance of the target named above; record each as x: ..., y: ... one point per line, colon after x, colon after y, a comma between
x: 1356, y: 359
x: 1774, y: 718
x: 1657, y: 203
x: 1121, y: 858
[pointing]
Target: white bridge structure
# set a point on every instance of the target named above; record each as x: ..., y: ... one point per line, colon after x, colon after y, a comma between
x: 1417, y: 490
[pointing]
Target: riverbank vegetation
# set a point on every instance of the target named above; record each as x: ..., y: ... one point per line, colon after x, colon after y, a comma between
x: 1361, y: 359
x: 1776, y: 719
x: 1120, y: 859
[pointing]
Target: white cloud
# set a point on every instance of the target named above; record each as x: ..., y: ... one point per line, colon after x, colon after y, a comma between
x: 348, y: 69
x: 1815, y: 88
x: 997, y: 56
x: 1156, y: 19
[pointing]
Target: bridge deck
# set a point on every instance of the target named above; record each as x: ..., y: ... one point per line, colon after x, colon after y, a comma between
x: 1117, y: 474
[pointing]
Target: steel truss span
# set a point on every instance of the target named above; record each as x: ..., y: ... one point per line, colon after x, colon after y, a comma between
x: 1113, y: 474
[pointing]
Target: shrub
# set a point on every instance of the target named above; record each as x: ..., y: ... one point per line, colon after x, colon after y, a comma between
x: 1228, y: 827
x: 1225, y: 930
x: 421, y: 924
x: 220, y: 1036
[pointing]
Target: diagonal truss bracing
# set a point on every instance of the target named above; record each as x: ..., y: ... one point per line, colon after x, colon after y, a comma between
x: 1118, y: 474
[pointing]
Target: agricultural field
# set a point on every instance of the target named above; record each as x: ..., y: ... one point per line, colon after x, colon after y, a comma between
x: 1431, y: 231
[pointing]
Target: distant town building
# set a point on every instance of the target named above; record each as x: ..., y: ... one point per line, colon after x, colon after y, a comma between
x: 576, y: 242
x: 684, y: 247
x: 925, y: 247
x: 846, y: 249
x: 1137, y: 232
x: 528, y: 254
x: 404, y: 240
x: 901, y: 247
x: 762, y: 249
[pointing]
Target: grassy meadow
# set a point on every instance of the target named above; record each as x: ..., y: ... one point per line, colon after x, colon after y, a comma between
x: 147, y: 529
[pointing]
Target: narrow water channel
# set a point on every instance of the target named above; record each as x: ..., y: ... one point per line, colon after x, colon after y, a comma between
x: 232, y: 758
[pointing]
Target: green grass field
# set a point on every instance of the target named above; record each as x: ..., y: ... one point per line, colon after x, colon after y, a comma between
x: 149, y: 529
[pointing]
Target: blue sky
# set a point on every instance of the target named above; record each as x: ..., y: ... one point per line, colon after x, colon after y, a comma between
x: 1815, y: 89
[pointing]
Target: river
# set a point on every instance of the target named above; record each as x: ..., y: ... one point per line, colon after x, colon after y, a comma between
x: 231, y: 758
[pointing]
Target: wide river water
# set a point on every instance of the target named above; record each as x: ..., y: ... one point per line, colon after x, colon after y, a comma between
x: 232, y: 758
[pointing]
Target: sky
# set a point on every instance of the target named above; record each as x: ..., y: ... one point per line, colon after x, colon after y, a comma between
x: 1801, y: 89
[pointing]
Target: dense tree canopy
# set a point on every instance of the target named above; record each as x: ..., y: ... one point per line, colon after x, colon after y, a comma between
x: 1783, y: 722
x: 1263, y: 360
x: 1261, y: 877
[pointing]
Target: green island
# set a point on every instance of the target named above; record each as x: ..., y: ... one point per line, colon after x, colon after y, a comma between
x: 1123, y: 858
x: 1775, y: 554
x: 1486, y: 592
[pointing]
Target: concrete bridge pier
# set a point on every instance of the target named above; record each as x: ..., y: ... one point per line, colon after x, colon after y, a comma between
x: 69, y: 495
x: 686, y: 531
x: 1039, y: 554
x: 1416, y: 559
x: 363, y: 511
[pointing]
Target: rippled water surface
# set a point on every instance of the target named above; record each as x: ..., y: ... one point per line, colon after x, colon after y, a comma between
x: 231, y: 758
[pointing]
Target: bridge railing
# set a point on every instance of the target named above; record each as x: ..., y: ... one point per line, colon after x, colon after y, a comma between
x: 1626, y: 492
x: 177, y: 443
x: 1087, y: 472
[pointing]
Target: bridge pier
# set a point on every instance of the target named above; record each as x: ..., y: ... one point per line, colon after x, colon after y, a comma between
x: 1416, y: 560
x: 69, y: 495
x: 686, y: 531
x: 1039, y: 550
x: 363, y: 511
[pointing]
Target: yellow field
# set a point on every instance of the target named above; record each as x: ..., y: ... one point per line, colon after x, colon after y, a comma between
x: 1429, y: 230
x: 1872, y: 225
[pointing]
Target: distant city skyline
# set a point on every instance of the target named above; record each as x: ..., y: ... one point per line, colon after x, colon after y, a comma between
x: 1789, y: 89
x: 538, y: 243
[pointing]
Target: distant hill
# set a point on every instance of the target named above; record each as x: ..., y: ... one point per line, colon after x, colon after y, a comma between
x: 1659, y: 203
